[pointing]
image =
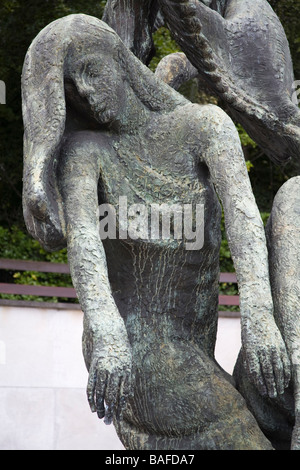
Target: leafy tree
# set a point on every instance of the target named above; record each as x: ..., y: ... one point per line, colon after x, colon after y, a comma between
x: 164, y: 45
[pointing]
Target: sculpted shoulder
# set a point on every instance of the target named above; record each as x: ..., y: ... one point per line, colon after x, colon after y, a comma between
x: 206, y: 125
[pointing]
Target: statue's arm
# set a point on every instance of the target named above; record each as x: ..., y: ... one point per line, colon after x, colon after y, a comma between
x: 264, y: 350
x: 283, y: 235
x: 105, y: 343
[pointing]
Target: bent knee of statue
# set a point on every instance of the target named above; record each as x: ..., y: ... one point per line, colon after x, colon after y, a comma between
x: 182, y: 400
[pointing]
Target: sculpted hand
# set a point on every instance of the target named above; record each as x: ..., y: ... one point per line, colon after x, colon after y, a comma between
x: 265, y: 354
x: 108, y: 358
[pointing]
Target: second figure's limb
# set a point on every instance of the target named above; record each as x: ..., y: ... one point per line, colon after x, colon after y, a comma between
x: 283, y: 233
x: 263, y: 347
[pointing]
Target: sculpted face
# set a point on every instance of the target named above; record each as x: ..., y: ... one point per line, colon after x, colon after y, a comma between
x: 97, y: 74
x: 103, y: 86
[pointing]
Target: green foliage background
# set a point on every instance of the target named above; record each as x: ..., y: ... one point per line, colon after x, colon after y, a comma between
x: 20, y: 22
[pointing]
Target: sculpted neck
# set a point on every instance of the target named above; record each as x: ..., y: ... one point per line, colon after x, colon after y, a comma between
x: 133, y: 115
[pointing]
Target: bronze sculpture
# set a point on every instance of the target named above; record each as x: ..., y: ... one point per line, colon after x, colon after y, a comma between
x: 99, y: 125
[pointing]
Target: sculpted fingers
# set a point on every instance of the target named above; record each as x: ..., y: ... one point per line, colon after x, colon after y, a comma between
x: 125, y: 391
x: 279, y: 364
x: 118, y: 391
x: 97, y: 383
x: 287, y: 369
x: 267, y: 374
x: 269, y: 371
x: 282, y: 370
x: 108, y: 373
x: 279, y: 373
x: 107, y: 391
x: 253, y: 366
x: 91, y: 387
x: 111, y: 397
x: 266, y: 356
x: 101, y: 386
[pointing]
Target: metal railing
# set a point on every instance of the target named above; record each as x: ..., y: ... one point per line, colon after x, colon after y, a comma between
x: 69, y: 292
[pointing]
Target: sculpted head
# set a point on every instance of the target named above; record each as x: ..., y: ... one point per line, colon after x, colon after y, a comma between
x: 95, y: 73
x: 109, y: 77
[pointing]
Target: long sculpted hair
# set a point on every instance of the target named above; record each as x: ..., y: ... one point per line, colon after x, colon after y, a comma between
x: 44, y: 110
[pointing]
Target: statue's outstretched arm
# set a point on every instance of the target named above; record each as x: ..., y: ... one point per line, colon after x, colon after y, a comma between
x: 263, y: 347
x: 106, y: 347
x: 244, y: 58
x: 175, y: 70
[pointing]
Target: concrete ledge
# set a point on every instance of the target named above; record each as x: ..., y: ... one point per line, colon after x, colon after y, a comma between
x: 43, y: 404
x: 51, y: 419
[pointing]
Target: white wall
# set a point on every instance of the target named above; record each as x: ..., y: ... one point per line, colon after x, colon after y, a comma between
x: 43, y: 403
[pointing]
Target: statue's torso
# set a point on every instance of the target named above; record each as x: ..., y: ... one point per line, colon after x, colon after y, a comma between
x: 167, y: 295
x: 159, y: 286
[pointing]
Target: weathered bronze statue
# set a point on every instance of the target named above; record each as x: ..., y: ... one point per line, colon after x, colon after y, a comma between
x: 99, y: 125
x: 240, y: 50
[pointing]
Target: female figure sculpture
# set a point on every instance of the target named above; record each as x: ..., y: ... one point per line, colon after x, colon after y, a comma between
x: 99, y: 125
